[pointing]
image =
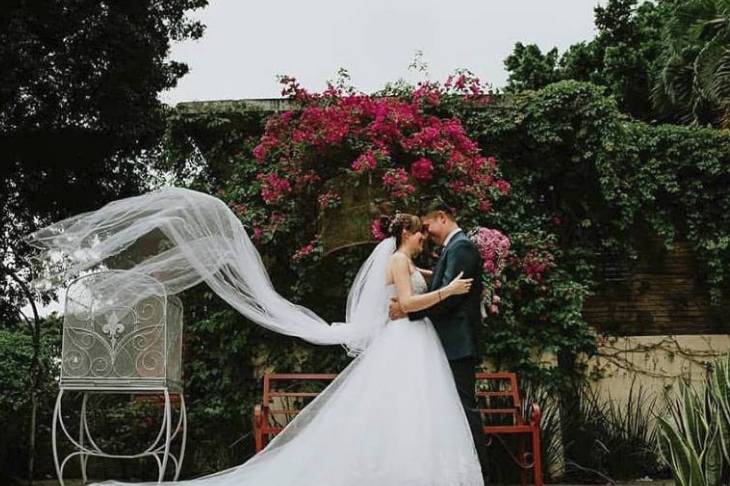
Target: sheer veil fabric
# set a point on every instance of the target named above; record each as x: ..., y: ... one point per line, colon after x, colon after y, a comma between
x: 206, y: 242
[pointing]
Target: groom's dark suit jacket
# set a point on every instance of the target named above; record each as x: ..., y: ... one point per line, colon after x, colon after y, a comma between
x: 457, y: 318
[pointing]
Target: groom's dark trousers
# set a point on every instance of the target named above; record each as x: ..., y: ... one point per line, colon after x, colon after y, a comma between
x: 457, y: 320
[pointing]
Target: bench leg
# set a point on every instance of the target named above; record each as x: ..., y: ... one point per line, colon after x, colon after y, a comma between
x: 258, y: 436
x: 521, y: 455
x: 537, y: 455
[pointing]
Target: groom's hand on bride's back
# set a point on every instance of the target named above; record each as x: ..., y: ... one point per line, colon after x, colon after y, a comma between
x: 395, y: 311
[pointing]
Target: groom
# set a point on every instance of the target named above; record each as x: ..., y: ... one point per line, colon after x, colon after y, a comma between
x: 457, y: 318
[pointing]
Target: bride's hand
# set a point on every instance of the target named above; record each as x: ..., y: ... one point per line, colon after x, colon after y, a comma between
x: 459, y: 285
x: 395, y: 311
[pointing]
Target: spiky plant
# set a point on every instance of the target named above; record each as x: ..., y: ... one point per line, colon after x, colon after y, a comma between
x: 692, y: 437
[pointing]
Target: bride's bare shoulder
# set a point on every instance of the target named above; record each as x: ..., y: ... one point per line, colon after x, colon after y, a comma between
x: 399, y: 263
x: 398, y: 259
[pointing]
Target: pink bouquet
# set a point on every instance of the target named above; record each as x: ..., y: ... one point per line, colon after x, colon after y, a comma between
x: 493, y: 247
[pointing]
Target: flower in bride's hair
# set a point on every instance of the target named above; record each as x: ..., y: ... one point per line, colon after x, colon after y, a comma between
x: 376, y: 229
x: 392, y: 222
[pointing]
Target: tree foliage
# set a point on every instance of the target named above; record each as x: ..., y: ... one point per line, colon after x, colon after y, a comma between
x: 646, y: 55
x: 79, y: 108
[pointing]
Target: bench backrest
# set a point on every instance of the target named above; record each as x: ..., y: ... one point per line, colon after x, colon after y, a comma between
x: 498, y: 398
x: 285, y: 394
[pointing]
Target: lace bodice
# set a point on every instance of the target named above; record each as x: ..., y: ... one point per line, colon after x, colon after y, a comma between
x: 418, y: 284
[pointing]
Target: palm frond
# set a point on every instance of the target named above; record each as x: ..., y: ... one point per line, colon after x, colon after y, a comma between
x: 721, y: 81
x: 692, y: 84
x: 706, y: 65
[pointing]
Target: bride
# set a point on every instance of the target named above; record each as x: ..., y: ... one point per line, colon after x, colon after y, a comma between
x: 391, y: 417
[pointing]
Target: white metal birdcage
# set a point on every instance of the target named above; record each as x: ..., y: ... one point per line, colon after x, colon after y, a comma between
x: 112, y: 348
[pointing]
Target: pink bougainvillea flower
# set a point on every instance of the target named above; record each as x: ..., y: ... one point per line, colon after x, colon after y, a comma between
x: 535, y: 264
x: 422, y: 170
x: 328, y: 199
x: 457, y: 186
x: 304, y: 251
x: 503, y: 186
x: 364, y: 163
x: 273, y: 187
x: 257, y: 233
x: 396, y: 180
x: 266, y: 144
x: 426, y: 93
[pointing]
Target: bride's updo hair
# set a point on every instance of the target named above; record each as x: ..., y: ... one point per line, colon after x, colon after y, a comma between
x: 394, y: 225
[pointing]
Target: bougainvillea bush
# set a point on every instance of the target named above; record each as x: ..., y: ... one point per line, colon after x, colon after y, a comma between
x: 410, y: 145
x: 401, y: 143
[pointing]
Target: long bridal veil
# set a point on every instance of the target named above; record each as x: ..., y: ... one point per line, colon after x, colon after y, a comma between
x: 392, y: 417
x: 199, y: 239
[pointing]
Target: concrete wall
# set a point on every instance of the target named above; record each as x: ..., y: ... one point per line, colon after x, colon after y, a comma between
x: 655, y: 362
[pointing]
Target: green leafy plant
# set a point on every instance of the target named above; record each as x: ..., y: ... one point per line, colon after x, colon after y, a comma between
x: 693, y: 435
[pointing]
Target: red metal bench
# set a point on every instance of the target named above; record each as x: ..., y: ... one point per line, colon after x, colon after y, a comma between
x: 285, y: 394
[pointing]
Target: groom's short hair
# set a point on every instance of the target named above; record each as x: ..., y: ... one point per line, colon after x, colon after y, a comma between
x: 436, y: 206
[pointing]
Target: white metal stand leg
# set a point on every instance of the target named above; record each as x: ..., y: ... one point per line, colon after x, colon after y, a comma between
x: 56, y: 413
x: 184, y: 423
x: 82, y: 426
x: 165, y: 435
x: 167, y: 420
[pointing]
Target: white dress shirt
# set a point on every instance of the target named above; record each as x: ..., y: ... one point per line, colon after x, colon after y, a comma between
x: 450, y: 235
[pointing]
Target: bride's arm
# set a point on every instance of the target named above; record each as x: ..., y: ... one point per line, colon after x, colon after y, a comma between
x: 409, y: 302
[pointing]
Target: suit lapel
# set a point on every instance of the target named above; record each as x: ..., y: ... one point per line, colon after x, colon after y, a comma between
x: 438, y: 271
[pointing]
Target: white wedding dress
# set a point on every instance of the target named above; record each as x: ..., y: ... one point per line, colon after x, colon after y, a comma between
x: 391, y: 418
